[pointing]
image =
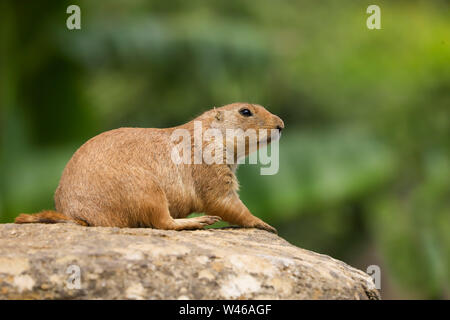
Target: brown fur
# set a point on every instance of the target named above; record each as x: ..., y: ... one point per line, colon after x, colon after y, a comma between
x: 126, y: 178
x: 47, y: 216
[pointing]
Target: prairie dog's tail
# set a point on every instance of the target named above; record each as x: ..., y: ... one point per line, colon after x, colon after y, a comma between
x: 48, y: 216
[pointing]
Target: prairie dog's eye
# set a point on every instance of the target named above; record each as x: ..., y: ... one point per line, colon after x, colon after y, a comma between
x: 245, y: 112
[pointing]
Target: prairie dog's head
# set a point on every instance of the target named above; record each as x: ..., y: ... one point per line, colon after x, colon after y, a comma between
x: 247, y: 121
x: 245, y: 116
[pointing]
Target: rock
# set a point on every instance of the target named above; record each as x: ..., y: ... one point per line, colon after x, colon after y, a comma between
x: 63, y: 261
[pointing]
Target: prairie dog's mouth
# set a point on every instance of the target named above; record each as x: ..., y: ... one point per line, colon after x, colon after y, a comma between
x: 271, y: 135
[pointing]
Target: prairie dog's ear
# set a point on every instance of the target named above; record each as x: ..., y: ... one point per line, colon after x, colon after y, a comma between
x: 218, y: 115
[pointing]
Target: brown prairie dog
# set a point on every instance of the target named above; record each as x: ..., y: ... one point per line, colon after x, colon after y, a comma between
x: 127, y: 178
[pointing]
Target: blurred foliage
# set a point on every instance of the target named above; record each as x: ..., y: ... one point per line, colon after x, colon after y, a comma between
x: 364, y: 158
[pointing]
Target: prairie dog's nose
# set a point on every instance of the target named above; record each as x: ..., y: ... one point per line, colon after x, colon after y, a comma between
x: 279, y: 123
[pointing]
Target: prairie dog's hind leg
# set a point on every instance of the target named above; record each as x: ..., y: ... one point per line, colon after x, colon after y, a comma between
x: 157, y: 215
x: 195, y: 223
x: 162, y: 219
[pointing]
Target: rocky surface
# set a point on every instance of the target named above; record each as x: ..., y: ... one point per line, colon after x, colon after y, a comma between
x: 39, y: 261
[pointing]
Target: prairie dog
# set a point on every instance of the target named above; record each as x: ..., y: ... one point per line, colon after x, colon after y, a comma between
x: 127, y: 178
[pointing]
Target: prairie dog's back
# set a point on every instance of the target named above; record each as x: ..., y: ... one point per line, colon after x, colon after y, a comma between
x: 111, y: 151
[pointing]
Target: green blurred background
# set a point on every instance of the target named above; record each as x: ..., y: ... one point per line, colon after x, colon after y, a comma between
x: 364, y: 159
